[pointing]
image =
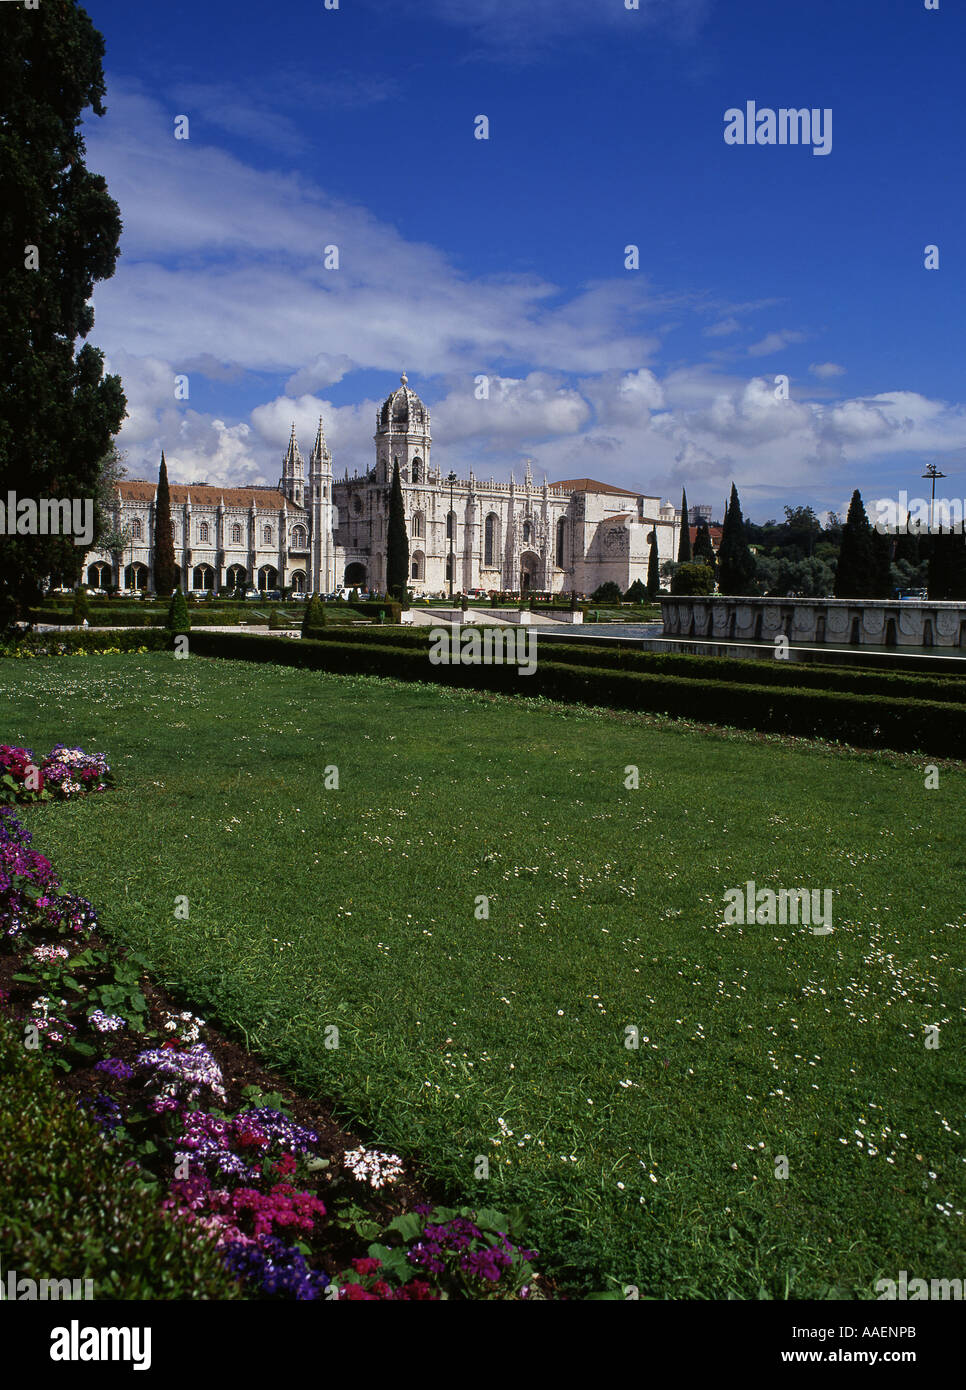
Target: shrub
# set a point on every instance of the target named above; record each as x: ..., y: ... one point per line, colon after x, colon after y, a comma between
x: 179, y: 619
x: 314, y: 615
x: 606, y: 593
x: 81, y: 609
x: 637, y: 593
x: 692, y: 579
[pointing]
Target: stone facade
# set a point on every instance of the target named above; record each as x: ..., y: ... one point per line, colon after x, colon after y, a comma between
x: 828, y: 621
x: 314, y: 533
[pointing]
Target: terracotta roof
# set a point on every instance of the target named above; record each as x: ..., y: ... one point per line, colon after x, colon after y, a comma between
x: 265, y: 499
x: 714, y: 532
x: 591, y: 485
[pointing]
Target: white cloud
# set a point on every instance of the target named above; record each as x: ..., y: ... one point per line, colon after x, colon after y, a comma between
x: 774, y: 342
x: 826, y: 369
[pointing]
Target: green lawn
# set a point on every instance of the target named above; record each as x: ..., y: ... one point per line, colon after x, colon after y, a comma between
x: 355, y: 906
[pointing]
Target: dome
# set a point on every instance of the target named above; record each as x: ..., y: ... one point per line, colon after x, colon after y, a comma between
x: 403, y: 409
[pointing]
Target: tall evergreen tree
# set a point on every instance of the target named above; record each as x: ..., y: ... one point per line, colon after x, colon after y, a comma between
x: 397, y: 541
x: 736, y: 563
x: 942, y: 564
x: 882, y: 547
x: 684, y: 543
x: 653, y: 568
x: 163, y: 540
x: 855, y: 574
x: 59, y: 229
x: 703, y: 548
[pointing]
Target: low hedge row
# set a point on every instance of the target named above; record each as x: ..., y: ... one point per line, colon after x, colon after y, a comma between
x: 864, y: 720
x: 786, y: 674
x: 70, y: 1210
x: 88, y: 640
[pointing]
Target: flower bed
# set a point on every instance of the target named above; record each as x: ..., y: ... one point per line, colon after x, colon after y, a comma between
x: 64, y: 773
x: 293, y: 1206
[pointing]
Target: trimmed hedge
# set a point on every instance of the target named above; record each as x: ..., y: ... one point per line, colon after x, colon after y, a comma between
x: 794, y: 674
x: 69, y: 1209
x: 89, y: 640
x: 908, y: 725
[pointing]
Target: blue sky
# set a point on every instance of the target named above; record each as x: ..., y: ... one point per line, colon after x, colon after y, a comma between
x: 462, y: 257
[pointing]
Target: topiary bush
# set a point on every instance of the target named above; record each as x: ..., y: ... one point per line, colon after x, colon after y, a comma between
x: 314, y: 615
x: 81, y: 609
x: 637, y: 593
x: 179, y: 619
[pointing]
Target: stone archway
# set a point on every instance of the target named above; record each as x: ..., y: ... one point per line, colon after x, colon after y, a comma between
x: 529, y: 571
x: 355, y: 575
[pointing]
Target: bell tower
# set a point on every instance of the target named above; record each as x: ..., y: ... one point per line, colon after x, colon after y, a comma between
x: 402, y: 432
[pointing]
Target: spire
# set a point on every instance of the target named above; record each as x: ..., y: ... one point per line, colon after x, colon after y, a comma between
x: 320, y: 450
x: 528, y: 476
x: 292, y: 455
x: 404, y: 379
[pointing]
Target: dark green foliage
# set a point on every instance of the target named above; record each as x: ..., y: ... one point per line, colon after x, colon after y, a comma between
x: 692, y: 579
x: 608, y: 592
x: 397, y: 541
x: 314, y: 615
x: 87, y: 640
x: 684, y: 543
x: 855, y: 574
x: 58, y: 412
x: 703, y: 548
x: 637, y: 593
x: 179, y: 619
x: 81, y: 608
x: 882, y: 545
x: 464, y: 602
x: 653, y: 570
x: 71, y: 1210
x: 736, y: 563
x: 164, y: 565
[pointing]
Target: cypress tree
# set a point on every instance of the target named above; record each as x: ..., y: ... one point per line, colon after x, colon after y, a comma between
x: 855, y: 574
x: 882, y: 564
x: 397, y: 541
x: 163, y: 540
x: 736, y: 564
x: 907, y: 545
x: 684, y: 544
x: 653, y: 568
x: 942, y: 564
x: 703, y: 548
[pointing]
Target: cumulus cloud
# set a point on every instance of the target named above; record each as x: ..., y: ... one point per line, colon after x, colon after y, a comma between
x: 826, y: 369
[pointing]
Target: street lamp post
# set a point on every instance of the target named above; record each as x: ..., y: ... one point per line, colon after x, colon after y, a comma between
x: 933, y: 472
x: 451, y: 527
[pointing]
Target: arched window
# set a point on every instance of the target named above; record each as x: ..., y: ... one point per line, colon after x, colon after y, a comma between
x: 203, y: 533
x: 561, y: 540
x: 266, y: 535
x: 417, y: 527
x: 451, y: 526
x: 298, y: 468
x: 236, y: 535
x: 418, y: 561
x: 490, y: 539
x: 298, y: 537
x: 527, y: 533
x: 137, y: 531
x: 174, y: 530
x: 449, y: 567
x: 417, y: 470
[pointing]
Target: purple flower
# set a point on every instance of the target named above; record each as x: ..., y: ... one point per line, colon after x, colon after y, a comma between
x: 113, y: 1066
